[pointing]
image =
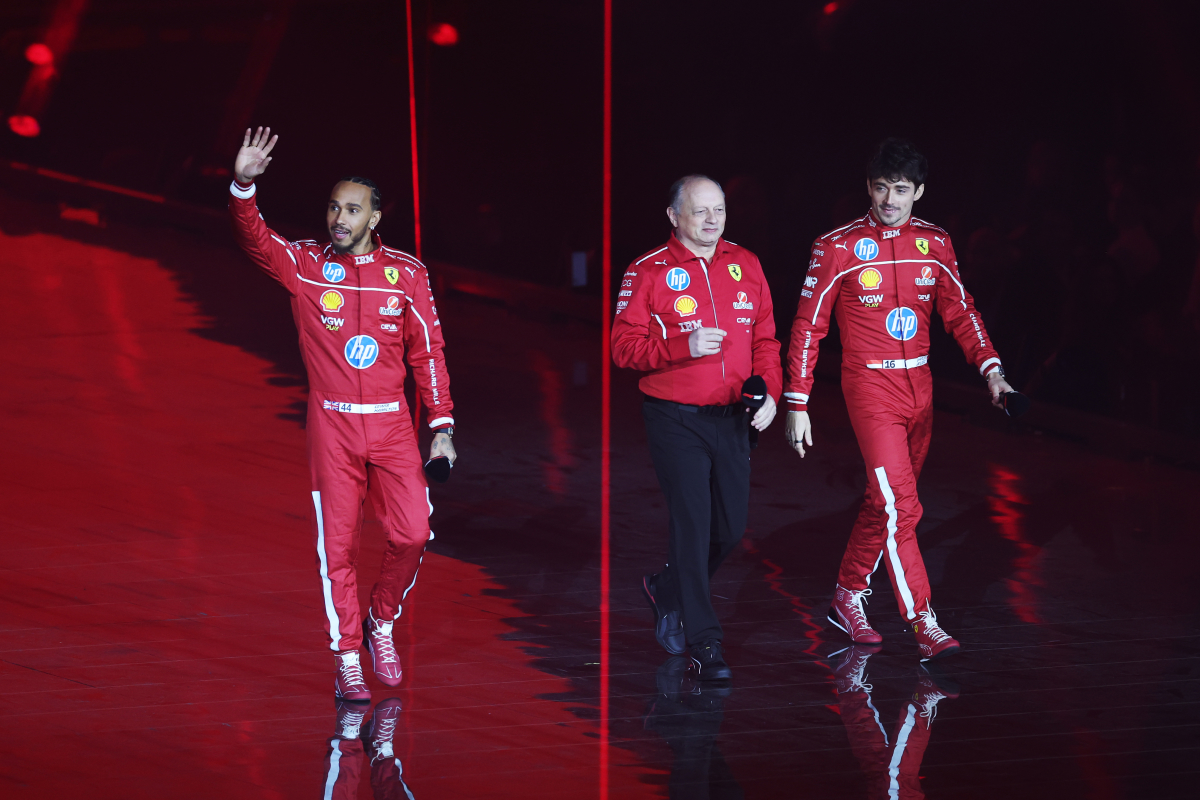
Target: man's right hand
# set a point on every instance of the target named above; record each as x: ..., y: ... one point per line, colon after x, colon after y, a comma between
x: 705, y: 342
x: 798, y: 431
x: 254, y: 156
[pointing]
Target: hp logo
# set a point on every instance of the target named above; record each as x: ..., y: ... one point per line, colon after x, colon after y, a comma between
x: 361, y: 351
x: 902, y: 324
x: 678, y: 279
x: 866, y: 249
x: 334, y: 273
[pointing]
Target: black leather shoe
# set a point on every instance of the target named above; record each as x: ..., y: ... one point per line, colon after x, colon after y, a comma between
x: 668, y: 627
x: 708, y: 662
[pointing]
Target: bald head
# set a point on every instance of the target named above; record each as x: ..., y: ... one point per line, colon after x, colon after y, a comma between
x: 697, y: 212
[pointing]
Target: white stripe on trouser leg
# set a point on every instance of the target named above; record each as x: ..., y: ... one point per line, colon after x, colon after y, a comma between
x: 897, y: 567
x: 335, y: 756
x: 335, y: 632
x: 878, y: 558
x: 898, y: 753
x: 878, y: 724
x: 400, y: 605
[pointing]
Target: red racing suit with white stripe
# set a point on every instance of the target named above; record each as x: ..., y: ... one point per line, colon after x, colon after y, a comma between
x: 883, y: 284
x: 360, y: 318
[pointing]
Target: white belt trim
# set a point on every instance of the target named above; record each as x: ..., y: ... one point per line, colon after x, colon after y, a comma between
x: 898, y: 363
x: 357, y: 408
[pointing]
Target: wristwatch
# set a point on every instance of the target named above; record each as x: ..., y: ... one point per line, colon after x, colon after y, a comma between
x: 998, y: 371
x: 448, y: 430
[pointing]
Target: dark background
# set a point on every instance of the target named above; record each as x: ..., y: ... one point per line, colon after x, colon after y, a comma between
x: 1063, y: 140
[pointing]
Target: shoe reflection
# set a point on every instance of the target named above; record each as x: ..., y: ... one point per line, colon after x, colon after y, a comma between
x: 688, y: 713
x: 352, y: 740
x: 890, y: 763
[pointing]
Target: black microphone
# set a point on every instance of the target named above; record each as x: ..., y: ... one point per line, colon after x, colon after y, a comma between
x: 754, y: 394
x: 1015, y: 403
x: 438, y: 469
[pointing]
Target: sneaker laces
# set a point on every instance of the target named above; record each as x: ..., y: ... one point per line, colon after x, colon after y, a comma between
x: 350, y: 670
x: 352, y: 725
x: 930, y: 627
x: 382, y: 739
x: 858, y: 673
x: 381, y: 642
x: 929, y: 707
x: 857, y: 600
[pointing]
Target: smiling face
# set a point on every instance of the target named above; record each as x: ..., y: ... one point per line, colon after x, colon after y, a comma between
x: 892, y: 201
x: 350, y: 218
x: 700, y: 219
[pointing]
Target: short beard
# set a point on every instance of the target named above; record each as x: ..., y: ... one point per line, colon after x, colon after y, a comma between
x: 351, y: 244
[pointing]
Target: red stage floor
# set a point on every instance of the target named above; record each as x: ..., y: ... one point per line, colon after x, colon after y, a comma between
x: 161, y: 613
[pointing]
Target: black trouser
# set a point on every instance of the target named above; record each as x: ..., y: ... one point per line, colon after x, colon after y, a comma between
x: 703, y: 467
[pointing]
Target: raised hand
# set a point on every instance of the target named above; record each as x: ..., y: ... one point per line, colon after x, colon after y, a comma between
x: 255, y: 155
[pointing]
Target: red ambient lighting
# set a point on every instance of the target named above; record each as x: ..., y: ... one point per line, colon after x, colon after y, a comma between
x: 830, y: 8
x: 24, y: 125
x: 39, y: 55
x: 444, y: 34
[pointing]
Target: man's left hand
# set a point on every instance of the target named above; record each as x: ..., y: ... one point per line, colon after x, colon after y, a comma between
x: 762, y: 418
x: 998, y: 386
x: 442, y: 445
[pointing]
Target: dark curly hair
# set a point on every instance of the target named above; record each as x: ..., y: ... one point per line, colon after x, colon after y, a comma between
x: 370, y: 184
x: 897, y: 159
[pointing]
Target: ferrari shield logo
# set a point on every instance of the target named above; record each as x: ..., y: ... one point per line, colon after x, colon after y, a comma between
x: 735, y: 270
x: 392, y: 274
x: 923, y: 246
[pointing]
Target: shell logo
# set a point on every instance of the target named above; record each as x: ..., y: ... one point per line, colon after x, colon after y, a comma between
x: 870, y: 279
x: 685, y: 305
x: 742, y: 298
x: 393, y: 302
x: 332, y: 300
x: 926, y: 272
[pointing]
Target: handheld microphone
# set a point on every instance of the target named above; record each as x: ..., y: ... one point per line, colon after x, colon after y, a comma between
x: 754, y: 394
x: 438, y: 469
x: 1015, y: 403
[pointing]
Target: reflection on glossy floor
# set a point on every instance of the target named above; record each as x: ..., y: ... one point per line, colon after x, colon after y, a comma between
x: 161, y: 617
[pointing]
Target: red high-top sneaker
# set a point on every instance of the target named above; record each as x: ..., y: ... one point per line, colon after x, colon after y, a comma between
x: 847, y: 614
x: 932, y: 641
x: 377, y: 636
x: 348, y: 683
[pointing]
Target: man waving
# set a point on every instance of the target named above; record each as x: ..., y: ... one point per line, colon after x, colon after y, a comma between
x: 362, y: 310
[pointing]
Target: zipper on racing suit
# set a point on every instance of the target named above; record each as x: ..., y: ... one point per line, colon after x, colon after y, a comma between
x: 716, y: 322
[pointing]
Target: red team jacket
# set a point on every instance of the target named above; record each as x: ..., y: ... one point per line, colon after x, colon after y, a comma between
x: 883, y: 283
x: 358, y: 317
x: 670, y: 292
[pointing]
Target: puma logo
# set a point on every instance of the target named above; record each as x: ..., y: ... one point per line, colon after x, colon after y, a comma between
x: 411, y: 272
x: 661, y: 262
x: 842, y: 245
x: 940, y: 239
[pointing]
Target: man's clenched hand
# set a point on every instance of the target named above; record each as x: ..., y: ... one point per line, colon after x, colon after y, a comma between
x: 442, y: 445
x: 705, y: 342
x: 798, y: 431
x: 254, y: 156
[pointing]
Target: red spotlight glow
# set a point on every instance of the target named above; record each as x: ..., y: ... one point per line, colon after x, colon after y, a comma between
x: 830, y: 8
x: 444, y: 34
x: 38, y: 54
x: 24, y: 125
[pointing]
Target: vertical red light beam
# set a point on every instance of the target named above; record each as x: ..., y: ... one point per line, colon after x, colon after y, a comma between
x: 605, y: 392
x: 412, y: 133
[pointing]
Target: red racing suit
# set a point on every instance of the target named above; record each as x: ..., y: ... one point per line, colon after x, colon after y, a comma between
x: 670, y: 292
x: 883, y: 284
x: 359, y: 319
